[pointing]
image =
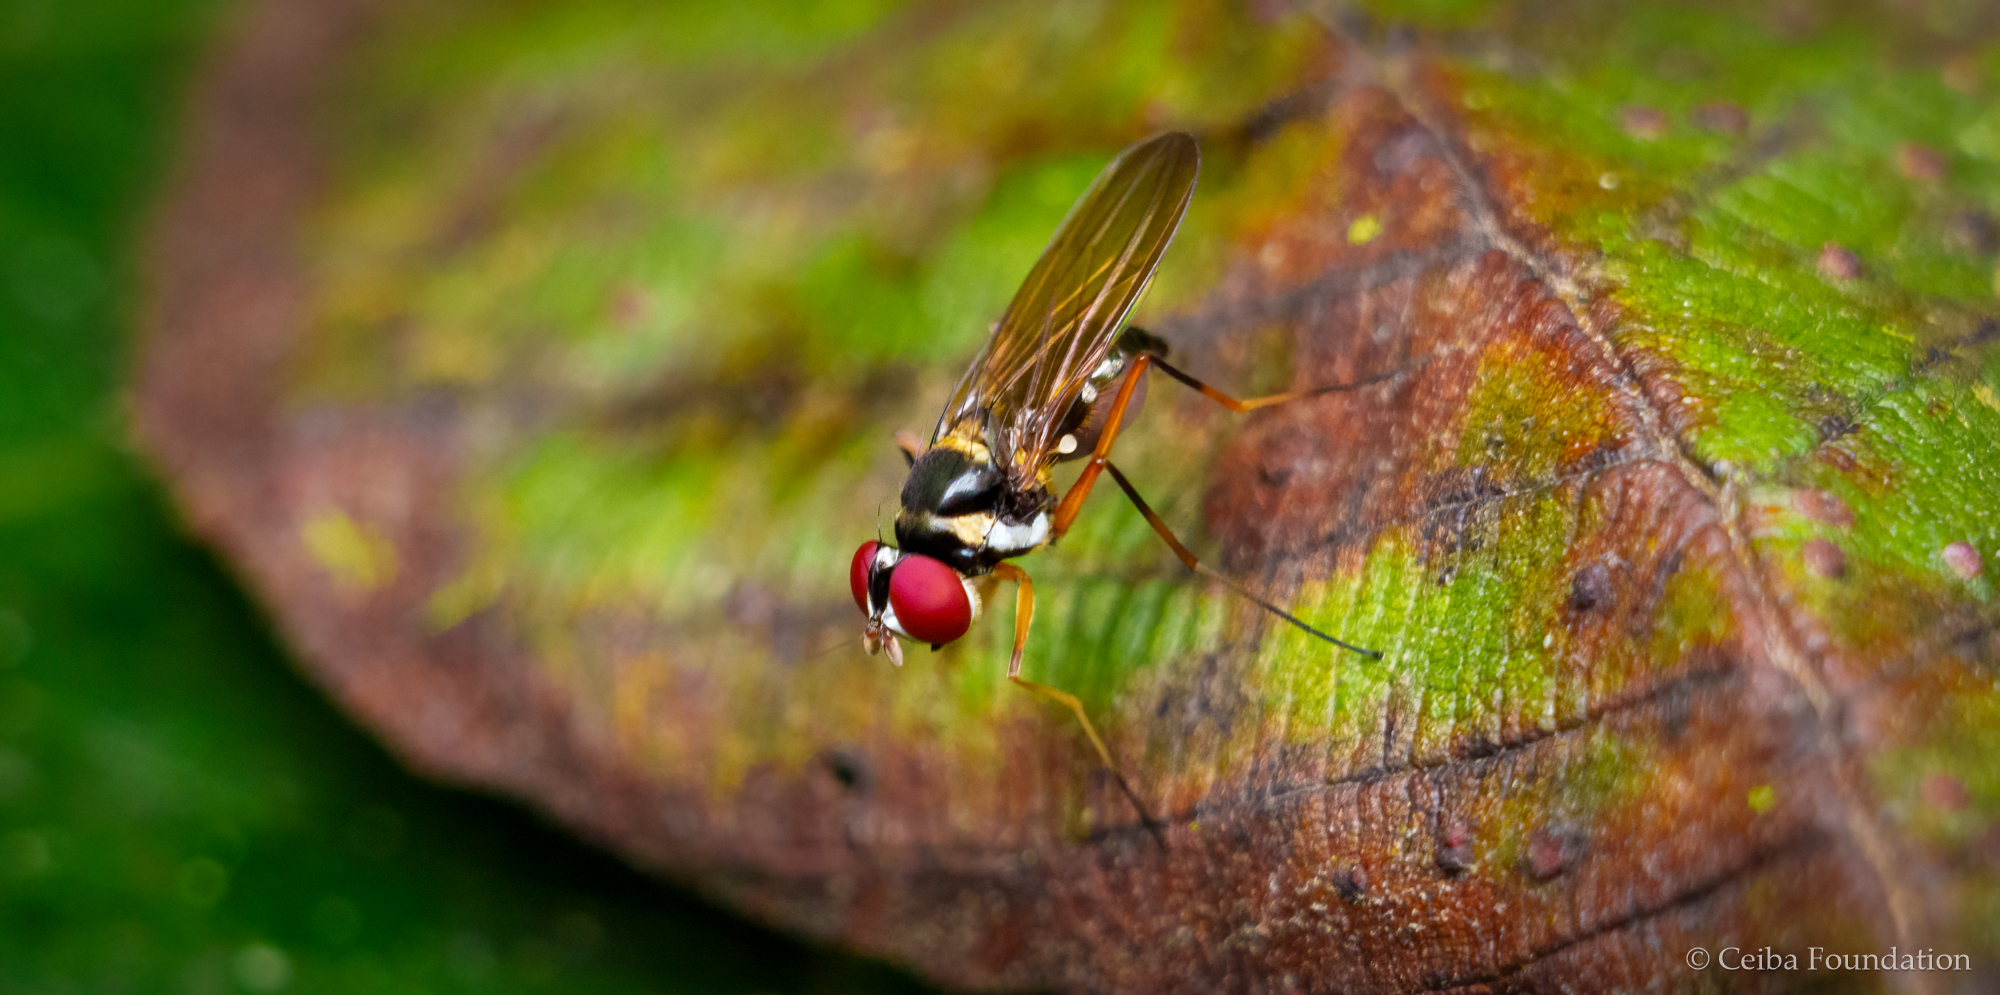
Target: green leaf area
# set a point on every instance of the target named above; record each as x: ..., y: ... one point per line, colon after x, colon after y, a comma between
x: 1795, y: 216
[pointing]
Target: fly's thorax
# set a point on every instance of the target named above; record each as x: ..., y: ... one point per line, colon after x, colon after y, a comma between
x: 958, y: 540
x: 973, y: 543
x: 959, y: 508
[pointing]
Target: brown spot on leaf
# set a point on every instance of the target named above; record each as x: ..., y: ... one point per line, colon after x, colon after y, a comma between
x: 1963, y: 73
x: 1454, y: 848
x: 1920, y: 162
x: 850, y: 768
x: 1963, y: 559
x: 1268, y: 12
x: 1973, y: 232
x: 1554, y: 850
x: 1837, y: 263
x: 1821, y: 506
x: 1838, y: 458
x: 1351, y: 883
x: 1723, y: 116
x: 631, y: 305
x: 1824, y: 559
x: 1644, y: 123
x: 1942, y: 792
x: 1834, y: 426
x: 1987, y: 847
x: 1591, y: 588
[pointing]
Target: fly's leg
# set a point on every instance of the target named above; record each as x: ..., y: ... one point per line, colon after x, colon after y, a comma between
x: 1072, y: 500
x: 1024, y: 613
x: 1188, y: 559
x: 1252, y: 404
x: 1072, y: 503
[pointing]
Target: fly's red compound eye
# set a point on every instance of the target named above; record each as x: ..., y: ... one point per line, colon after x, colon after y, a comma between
x: 929, y: 600
x: 857, y: 574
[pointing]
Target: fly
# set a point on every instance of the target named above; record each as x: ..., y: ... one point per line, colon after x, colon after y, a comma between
x: 1055, y: 382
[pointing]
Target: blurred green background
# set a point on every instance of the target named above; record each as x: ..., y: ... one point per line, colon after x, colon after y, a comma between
x: 179, y: 811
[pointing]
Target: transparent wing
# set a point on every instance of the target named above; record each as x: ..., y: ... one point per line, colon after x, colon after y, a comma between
x: 1067, y: 313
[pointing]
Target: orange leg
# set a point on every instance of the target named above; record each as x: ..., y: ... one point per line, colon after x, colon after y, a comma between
x: 1072, y: 500
x: 1024, y: 613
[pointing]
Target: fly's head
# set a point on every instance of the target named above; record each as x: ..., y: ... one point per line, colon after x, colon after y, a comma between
x: 910, y: 595
x: 958, y: 521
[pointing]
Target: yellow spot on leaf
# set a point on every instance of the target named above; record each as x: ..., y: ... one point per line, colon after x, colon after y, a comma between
x: 358, y: 558
x: 1364, y: 229
x: 451, y: 355
x: 1763, y: 798
x: 469, y: 593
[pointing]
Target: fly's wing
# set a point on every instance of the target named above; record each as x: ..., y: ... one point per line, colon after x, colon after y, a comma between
x: 1064, y: 318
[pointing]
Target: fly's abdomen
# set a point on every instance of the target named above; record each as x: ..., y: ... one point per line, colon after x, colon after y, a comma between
x: 1083, y: 424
